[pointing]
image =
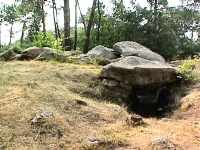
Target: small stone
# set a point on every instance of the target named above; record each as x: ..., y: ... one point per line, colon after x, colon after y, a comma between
x: 166, y: 119
x: 163, y: 143
x: 186, y: 106
x: 39, y: 117
x: 80, y: 102
x: 134, y: 120
x: 94, y: 141
x: 110, y: 83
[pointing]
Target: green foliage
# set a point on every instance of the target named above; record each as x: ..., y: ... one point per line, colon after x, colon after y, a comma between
x: 4, y: 48
x: 47, y: 40
x: 187, y: 69
x: 160, y: 27
x: 11, y: 13
x: 16, y: 48
x: 81, y: 38
x: 137, y: 24
x: 1, y: 15
x: 33, y: 9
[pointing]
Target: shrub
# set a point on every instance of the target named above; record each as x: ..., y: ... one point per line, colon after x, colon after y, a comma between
x: 4, y: 48
x: 47, y: 40
x: 16, y: 49
x: 187, y: 69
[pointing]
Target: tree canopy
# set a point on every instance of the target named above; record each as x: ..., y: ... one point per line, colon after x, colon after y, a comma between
x: 170, y: 31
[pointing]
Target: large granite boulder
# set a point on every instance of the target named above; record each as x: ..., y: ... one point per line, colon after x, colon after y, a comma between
x: 100, y: 55
x: 138, y: 71
x: 133, y: 75
x: 128, y: 48
x: 32, y: 53
x: 52, y: 55
x: 103, y: 52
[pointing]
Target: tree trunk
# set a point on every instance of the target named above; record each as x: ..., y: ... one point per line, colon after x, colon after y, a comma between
x: 99, y: 22
x: 89, y: 27
x: 22, y: 35
x: 67, y: 41
x: 43, y: 17
x: 11, y: 34
x: 54, y: 19
x: 75, y: 30
x: 57, y: 26
x: 0, y: 35
x: 156, y: 24
x: 156, y: 14
x: 82, y: 17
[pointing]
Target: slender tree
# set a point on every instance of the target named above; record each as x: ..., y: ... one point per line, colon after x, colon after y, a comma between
x: 43, y: 16
x: 99, y: 21
x: 23, y: 31
x: 89, y: 27
x: 24, y: 18
x: 0, y: 36
x: 1, y: 21
x: 11, y: 16
x: 82, y: 16
x: 57, y: 26
x: 67, y: 40
x: 75, y: 30
x: 55, y: 18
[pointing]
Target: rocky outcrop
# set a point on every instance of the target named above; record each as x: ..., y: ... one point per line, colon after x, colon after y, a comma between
x: 7, y: 55
x: 120, y: 78
x: 100, y: 55
x: 32, y: 53
x: 128, y: 48
x: 163, y: 143
x: 139, y: 74
x: 41, y: 54
x: 103, y: 52
x: 103, y: 55
x: 51, y: 55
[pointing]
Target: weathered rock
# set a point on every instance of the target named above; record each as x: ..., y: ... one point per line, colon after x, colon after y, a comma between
x: 33, y: 52
x: 101, y: 144
x: 51, y: 55
x: 128, y: 48
x: 7, y: 55
x: 40, y: 118
x: 73, y: 53
x: 92, y: 60
x: 17, y: 57
x: 133, y: 70
x: 81, y: 103
x: 143, y: 76
x: 134, y: 120
x: 103, y: 52
x: 44, y: 124
x: 163, y: 144
x: 100, y: 55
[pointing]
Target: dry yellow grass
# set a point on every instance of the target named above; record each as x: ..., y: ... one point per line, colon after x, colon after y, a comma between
x: 29, y: 88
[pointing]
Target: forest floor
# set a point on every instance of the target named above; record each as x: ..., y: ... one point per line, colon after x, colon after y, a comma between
x: 46, y: 105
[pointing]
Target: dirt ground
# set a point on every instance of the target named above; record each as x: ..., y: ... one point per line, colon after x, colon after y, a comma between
x: 43, y: 105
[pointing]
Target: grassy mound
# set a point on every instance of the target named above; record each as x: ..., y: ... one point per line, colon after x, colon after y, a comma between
x: 43, y: 105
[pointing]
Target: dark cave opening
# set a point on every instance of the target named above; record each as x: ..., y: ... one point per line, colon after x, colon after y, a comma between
x: 152, y: 101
